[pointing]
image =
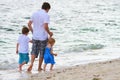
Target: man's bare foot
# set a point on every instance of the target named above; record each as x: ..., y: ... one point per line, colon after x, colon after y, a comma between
x: 40, y: 69
x: 51, y: 69
x: 29, y: 68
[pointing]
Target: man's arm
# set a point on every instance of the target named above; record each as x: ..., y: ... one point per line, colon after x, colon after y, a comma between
x: 47, y: 29
x: 30, y: 26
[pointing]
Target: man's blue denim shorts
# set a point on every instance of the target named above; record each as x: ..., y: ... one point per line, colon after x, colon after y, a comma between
x: 38, y: 47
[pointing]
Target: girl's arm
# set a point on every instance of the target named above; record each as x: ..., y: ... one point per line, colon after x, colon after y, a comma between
x: 53, y: 52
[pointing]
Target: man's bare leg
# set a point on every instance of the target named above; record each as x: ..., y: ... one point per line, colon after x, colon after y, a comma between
x: 32, y: 61
x: 40, y: 64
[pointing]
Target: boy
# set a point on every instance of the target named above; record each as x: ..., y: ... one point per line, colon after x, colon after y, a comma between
x: 22, y: 47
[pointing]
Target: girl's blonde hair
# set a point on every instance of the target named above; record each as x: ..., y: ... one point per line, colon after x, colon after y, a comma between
x: 51, y: 40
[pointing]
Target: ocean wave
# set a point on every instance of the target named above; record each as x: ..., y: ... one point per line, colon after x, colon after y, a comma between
x: 2, y: 41
x: 92, y: 29
x: 7, y: 29
x: 84, y: 47
x: 27, y: 18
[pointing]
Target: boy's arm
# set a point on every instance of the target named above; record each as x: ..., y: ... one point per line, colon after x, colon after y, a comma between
x: 30, y: 41
x: 17, y: 45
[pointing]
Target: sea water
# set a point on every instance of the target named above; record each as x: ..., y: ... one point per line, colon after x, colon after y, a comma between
x: 85, y: 30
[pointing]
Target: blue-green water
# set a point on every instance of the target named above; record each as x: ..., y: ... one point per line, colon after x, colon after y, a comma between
x: 85, y: 30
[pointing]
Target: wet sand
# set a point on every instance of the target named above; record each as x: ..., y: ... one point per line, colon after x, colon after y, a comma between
x: 107, y: 70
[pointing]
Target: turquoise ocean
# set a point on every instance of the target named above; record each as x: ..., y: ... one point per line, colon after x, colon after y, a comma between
x: 85, y: 31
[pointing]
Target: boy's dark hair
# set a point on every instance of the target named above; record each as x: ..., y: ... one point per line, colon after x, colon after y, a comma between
x: 46, y: 6
x: 25, y: 30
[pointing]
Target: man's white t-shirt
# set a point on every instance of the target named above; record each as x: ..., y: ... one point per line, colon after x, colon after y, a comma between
x: 23, y: 41
x: 39, y: 18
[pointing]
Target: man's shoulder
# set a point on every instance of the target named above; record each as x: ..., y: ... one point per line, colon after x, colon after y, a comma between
x: 40, y: 12
x: 43, y: 12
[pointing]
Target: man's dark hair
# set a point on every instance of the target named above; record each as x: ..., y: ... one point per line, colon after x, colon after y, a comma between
x: 46, y: 6
x: 25, y: 30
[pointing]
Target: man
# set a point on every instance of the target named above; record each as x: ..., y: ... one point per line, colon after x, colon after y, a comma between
x: 40, y: 31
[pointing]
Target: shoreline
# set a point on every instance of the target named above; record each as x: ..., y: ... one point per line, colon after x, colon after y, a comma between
x: 105, y: 70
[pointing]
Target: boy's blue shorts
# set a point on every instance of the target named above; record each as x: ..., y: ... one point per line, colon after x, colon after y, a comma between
x: 23, y: 57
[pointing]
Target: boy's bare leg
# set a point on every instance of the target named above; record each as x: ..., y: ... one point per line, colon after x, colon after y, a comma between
x: 51, y: 67
x: 32, y: 61
x: 40, y: 63
x: 20, y: 66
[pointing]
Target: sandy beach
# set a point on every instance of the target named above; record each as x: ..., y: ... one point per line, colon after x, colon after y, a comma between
x: 107, y: 70
x: 86, y: 32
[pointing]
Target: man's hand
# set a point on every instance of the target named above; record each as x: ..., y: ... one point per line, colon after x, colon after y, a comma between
x: 51, y: 34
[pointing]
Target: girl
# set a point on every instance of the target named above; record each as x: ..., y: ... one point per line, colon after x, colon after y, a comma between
x: 49, y: 55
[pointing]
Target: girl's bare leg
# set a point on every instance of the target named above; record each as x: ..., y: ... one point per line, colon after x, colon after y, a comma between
x: 44, y: 68
x: 51, y: 67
